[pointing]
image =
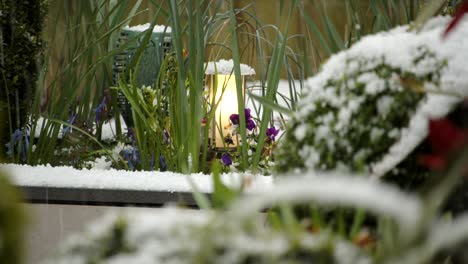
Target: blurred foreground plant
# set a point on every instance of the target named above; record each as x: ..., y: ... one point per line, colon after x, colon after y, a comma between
x: 12, y: 220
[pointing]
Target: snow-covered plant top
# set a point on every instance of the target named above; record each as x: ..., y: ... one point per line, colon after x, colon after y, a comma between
x: 227, y: 67
x: 368, y: 108
x: 143, y: 27
x: 240, y: 234
x: 176, y: 236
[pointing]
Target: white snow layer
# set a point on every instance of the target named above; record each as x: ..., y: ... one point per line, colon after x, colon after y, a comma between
x: 399, y: 47
x: 143, y: 27
x: 67, y: 177
x: 227, y: 67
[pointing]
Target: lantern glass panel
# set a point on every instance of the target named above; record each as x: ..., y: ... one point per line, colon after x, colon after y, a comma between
x: 226, y: 94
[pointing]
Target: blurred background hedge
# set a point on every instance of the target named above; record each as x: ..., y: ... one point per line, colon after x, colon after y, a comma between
x: 21, y: 43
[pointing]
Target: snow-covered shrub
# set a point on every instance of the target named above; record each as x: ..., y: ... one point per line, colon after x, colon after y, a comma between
x: 368, y: 109
x: 186, y: 236
x: 240, y: 234
x: 416, y: 233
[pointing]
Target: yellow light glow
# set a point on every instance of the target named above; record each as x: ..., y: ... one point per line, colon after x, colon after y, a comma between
x: 226, y: 95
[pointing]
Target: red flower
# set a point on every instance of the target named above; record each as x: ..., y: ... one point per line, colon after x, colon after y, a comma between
x: 461, y: 11
x: 445, y: 138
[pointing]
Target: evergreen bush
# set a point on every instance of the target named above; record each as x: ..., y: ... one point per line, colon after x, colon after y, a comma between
x: 21, y: 43
x: 368, y: 100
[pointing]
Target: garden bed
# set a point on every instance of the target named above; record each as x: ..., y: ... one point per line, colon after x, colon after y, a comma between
x: 66, y: 185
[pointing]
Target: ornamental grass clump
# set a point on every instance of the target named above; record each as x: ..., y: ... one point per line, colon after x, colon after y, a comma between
x: 367, y: 110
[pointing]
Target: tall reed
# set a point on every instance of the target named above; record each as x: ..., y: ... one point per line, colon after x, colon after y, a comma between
x: 83, y: 39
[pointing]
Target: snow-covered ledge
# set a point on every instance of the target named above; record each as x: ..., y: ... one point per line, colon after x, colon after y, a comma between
x: 66, y: 185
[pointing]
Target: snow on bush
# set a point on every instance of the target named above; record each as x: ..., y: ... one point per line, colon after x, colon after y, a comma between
x: 369, y: 106
x: 173, y: 235
x: 240, y: 235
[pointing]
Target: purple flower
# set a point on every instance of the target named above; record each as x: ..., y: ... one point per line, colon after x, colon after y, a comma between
x: 247, y: 113
x: 234, y: 119
x: 67, y: 129
x: 166, y: 136
x: 131, y: 154
x: 162, y: 163
x: 132, y: 157
x: 100, y: 111
x: 131, y: 135
x: 226, y: 159
x: 20, y: 139
x: 251, y: 124
x: 248, y: 119
x: 272, y: 132
x: 127, y: 156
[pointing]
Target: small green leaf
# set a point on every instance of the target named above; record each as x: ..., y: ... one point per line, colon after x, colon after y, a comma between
x: 269, y: 104
x: 222, y: 194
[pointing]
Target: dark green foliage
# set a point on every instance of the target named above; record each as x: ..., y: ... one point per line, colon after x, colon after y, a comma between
x: 20, y: 46
x: 410, y: 166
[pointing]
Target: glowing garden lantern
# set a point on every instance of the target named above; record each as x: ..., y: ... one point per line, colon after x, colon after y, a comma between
x: 221, y: 82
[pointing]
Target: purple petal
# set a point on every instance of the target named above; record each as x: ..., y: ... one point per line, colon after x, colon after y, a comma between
x: 247, y: 113
x: 226, y: 159
x: 272, y: 132
x: 251, y: 125
x: 17, y: 136
x: 234, y: 119
x: 100, y: 111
